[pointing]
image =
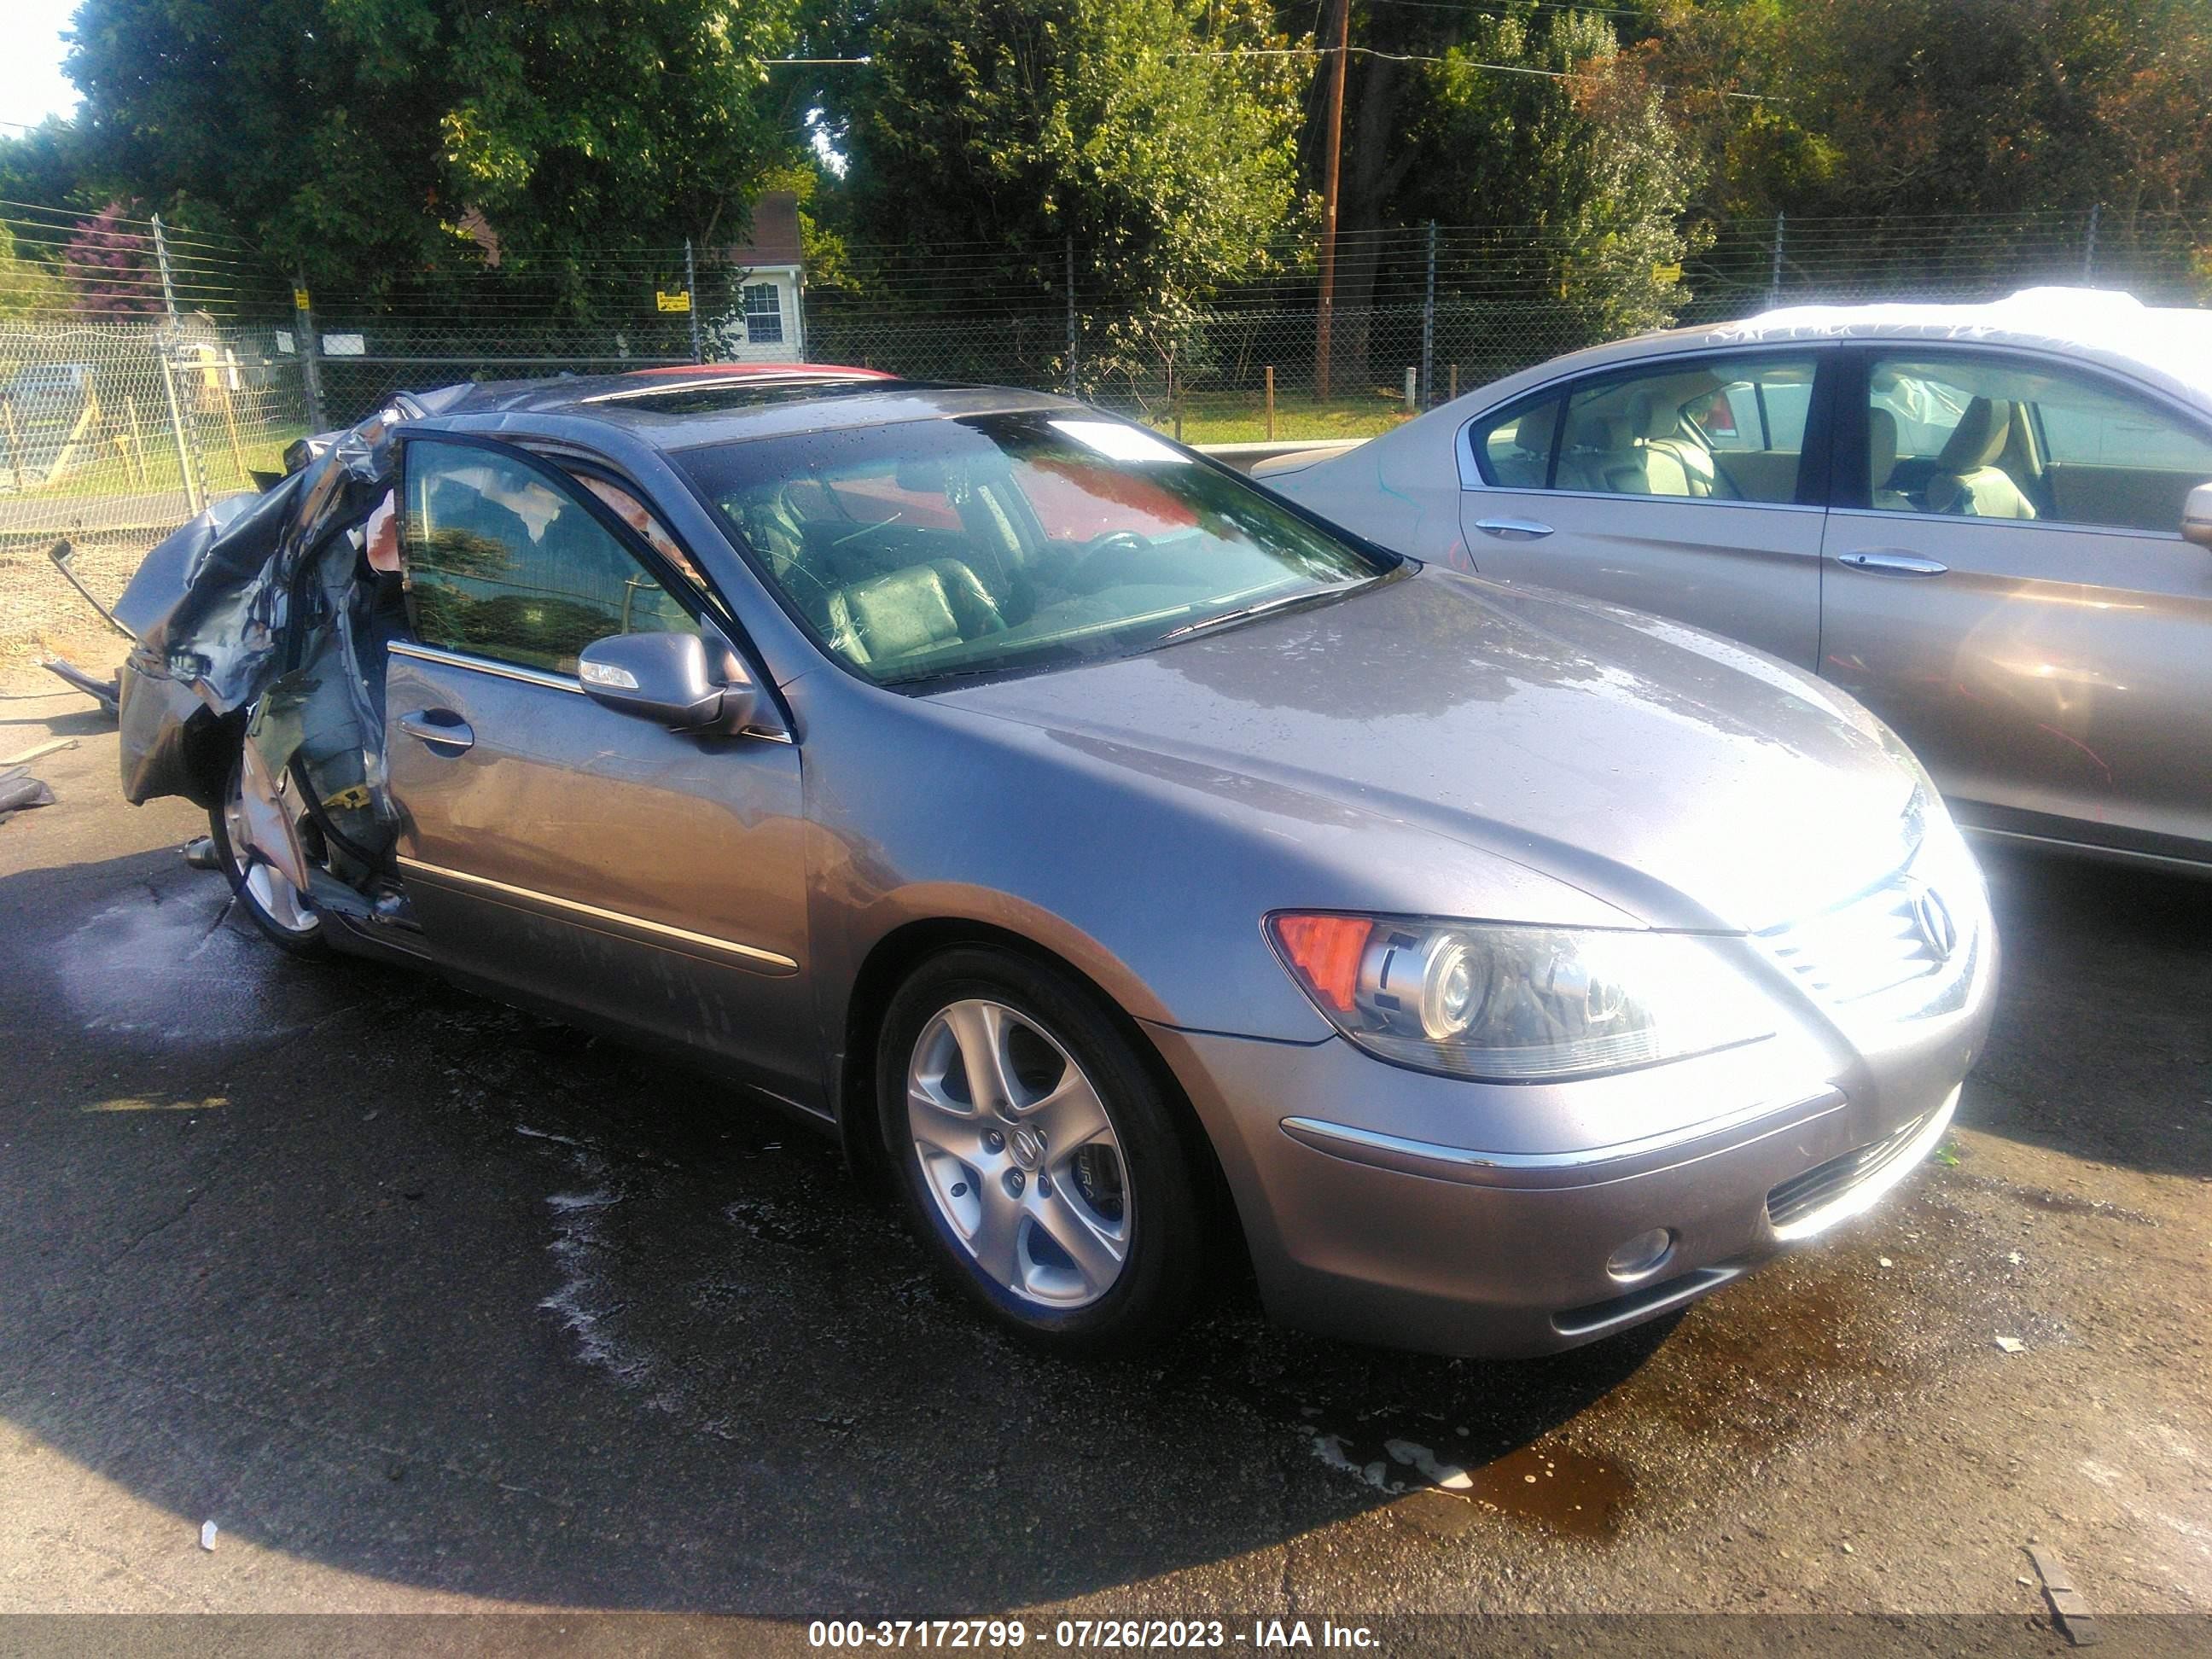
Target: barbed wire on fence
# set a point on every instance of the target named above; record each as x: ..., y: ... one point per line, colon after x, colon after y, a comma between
x: 137, y: 360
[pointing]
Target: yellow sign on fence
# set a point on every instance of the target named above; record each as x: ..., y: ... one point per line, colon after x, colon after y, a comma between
x: 680, y: 301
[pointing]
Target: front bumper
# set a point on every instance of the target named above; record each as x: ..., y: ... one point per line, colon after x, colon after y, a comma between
x: 1390, y: 1206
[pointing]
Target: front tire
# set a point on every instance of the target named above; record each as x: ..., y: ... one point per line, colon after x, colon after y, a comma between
x: 1038, y: 1160
x: 285, y: 916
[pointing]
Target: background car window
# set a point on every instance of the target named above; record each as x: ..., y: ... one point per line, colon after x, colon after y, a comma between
x: 1718, y: 430
x: 500, y: 562
x: 1998, y: 438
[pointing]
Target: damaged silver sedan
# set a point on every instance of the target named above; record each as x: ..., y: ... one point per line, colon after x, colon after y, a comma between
x: 1138, y: 873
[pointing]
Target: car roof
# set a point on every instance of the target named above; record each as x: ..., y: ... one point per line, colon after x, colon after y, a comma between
x: 2169, y: 347
x: 685, y: 406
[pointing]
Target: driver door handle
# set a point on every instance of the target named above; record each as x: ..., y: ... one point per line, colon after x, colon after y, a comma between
x: 1892, y: 562
x: 438, y: 727
x: 1513, y: 530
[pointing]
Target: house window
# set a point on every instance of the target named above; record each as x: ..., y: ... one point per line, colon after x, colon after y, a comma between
x: 764, y: 314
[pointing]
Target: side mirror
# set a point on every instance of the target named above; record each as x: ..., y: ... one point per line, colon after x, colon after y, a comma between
x: 680, y: 681
x: 2197, y: 516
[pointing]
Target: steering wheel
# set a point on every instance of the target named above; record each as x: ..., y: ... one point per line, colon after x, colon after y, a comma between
x: 1093, y: 565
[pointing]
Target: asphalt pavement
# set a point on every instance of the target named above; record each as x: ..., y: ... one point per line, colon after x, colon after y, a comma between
x: 431, y: 1305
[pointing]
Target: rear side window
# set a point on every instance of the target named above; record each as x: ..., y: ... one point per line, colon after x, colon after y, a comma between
x: 1705, y: 429
x: 1514, y: 451
x: 502, y: 561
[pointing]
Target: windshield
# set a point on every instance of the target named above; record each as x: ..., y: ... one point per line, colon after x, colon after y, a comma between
x: 932, y: 548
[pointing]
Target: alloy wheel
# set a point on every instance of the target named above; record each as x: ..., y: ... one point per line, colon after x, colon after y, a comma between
x: 1019, y: 1154
x: 281, y: 904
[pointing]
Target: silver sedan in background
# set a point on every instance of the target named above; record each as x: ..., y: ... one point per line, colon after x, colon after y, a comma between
x: 1990, y: 524
x: 1136, y: 871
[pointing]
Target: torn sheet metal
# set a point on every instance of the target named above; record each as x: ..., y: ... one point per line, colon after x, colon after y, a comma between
x: 210, y: 608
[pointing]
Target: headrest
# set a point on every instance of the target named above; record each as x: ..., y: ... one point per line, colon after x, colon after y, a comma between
x: 1647, y: 417
x: 1881, y: 446
x: 1980, y: 437
x: 1609, y: 434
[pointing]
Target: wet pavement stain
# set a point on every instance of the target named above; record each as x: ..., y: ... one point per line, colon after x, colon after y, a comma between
x: 714, y: 1264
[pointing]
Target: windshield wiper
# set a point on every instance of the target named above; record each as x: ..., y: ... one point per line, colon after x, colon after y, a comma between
x: 1246, y: 613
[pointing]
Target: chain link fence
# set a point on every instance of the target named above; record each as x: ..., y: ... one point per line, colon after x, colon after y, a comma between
x: 144, y: 372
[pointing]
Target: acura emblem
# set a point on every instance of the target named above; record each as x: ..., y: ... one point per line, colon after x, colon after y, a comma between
x: 1933, y: 918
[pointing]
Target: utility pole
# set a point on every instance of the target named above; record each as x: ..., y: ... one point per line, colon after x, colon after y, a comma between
x: 188, y: 470
x: 1332, y: 166
x: 161, y: 257
x: 1429, y: 325
x: 2089, y: 249
x: 691, y: 299
x: 311, y: 355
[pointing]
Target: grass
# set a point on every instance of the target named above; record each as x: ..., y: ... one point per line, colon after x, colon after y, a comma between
x: 1239, y: 417
x: 115, y: 469
x: 113, y: 474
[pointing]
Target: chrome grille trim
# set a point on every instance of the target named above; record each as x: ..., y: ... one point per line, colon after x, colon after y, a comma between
x: 1802, y: 1194
x: 1817, y: 1198
x: 1861, y: 948
x: 1904, y: 949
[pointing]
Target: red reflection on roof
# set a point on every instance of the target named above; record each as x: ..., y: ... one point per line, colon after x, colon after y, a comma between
x: 762, y: 371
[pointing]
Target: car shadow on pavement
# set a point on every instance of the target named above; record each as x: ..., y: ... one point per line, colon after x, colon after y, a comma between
x: 395, y: 1280
x: 2101, y: 1047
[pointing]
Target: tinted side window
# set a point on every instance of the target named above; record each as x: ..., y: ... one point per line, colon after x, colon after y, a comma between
x: 501, y: 563
x: 1700, y: 429
x: 2000, y: 437
x: 1515, y: 450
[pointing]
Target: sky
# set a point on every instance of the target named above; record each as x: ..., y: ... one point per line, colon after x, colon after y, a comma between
x: 32, y: 84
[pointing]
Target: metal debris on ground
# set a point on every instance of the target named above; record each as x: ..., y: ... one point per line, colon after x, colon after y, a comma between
x: 107, y: 693
x: 2011, y: 1344
x: 18, y: 795
x: 2067, y: 1605
x: 207, y: 1535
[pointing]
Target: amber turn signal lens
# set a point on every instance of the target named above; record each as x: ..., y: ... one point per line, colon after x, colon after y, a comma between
x: 1325, y: 952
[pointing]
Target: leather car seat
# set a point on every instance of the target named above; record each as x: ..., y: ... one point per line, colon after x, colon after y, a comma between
x: 1674, y: 462
x: 1881, y: 462
x: 1968, y: 481
x: 1601, y: 454
x: 910, y: 611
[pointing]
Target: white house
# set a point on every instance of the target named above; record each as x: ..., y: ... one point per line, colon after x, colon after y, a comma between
x: 769, y: 277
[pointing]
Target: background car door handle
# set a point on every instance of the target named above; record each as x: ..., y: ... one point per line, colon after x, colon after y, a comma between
x: 1513, y: 530
x: 440, y: 727
x: 1892, y: 561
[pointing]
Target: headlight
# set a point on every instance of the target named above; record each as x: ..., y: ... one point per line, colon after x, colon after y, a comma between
x: 1513, y: 1004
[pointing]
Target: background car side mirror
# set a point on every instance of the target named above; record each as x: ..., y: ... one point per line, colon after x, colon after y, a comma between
x: 681, y: 680
x: 2197, y: 516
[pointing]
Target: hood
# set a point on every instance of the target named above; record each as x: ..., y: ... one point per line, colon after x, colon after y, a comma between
x: 1688, y: 781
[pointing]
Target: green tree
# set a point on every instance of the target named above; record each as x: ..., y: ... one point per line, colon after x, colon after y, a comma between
x: 357, y: 138
x: 1575, y: 165
x: 29, y: 287
x: 1137, y: 127
x: 46, y: 166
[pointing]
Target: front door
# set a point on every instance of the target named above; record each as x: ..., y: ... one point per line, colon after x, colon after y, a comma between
x: 2005, y: 585
x: 583, y: 857
x: 1673, y: 487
